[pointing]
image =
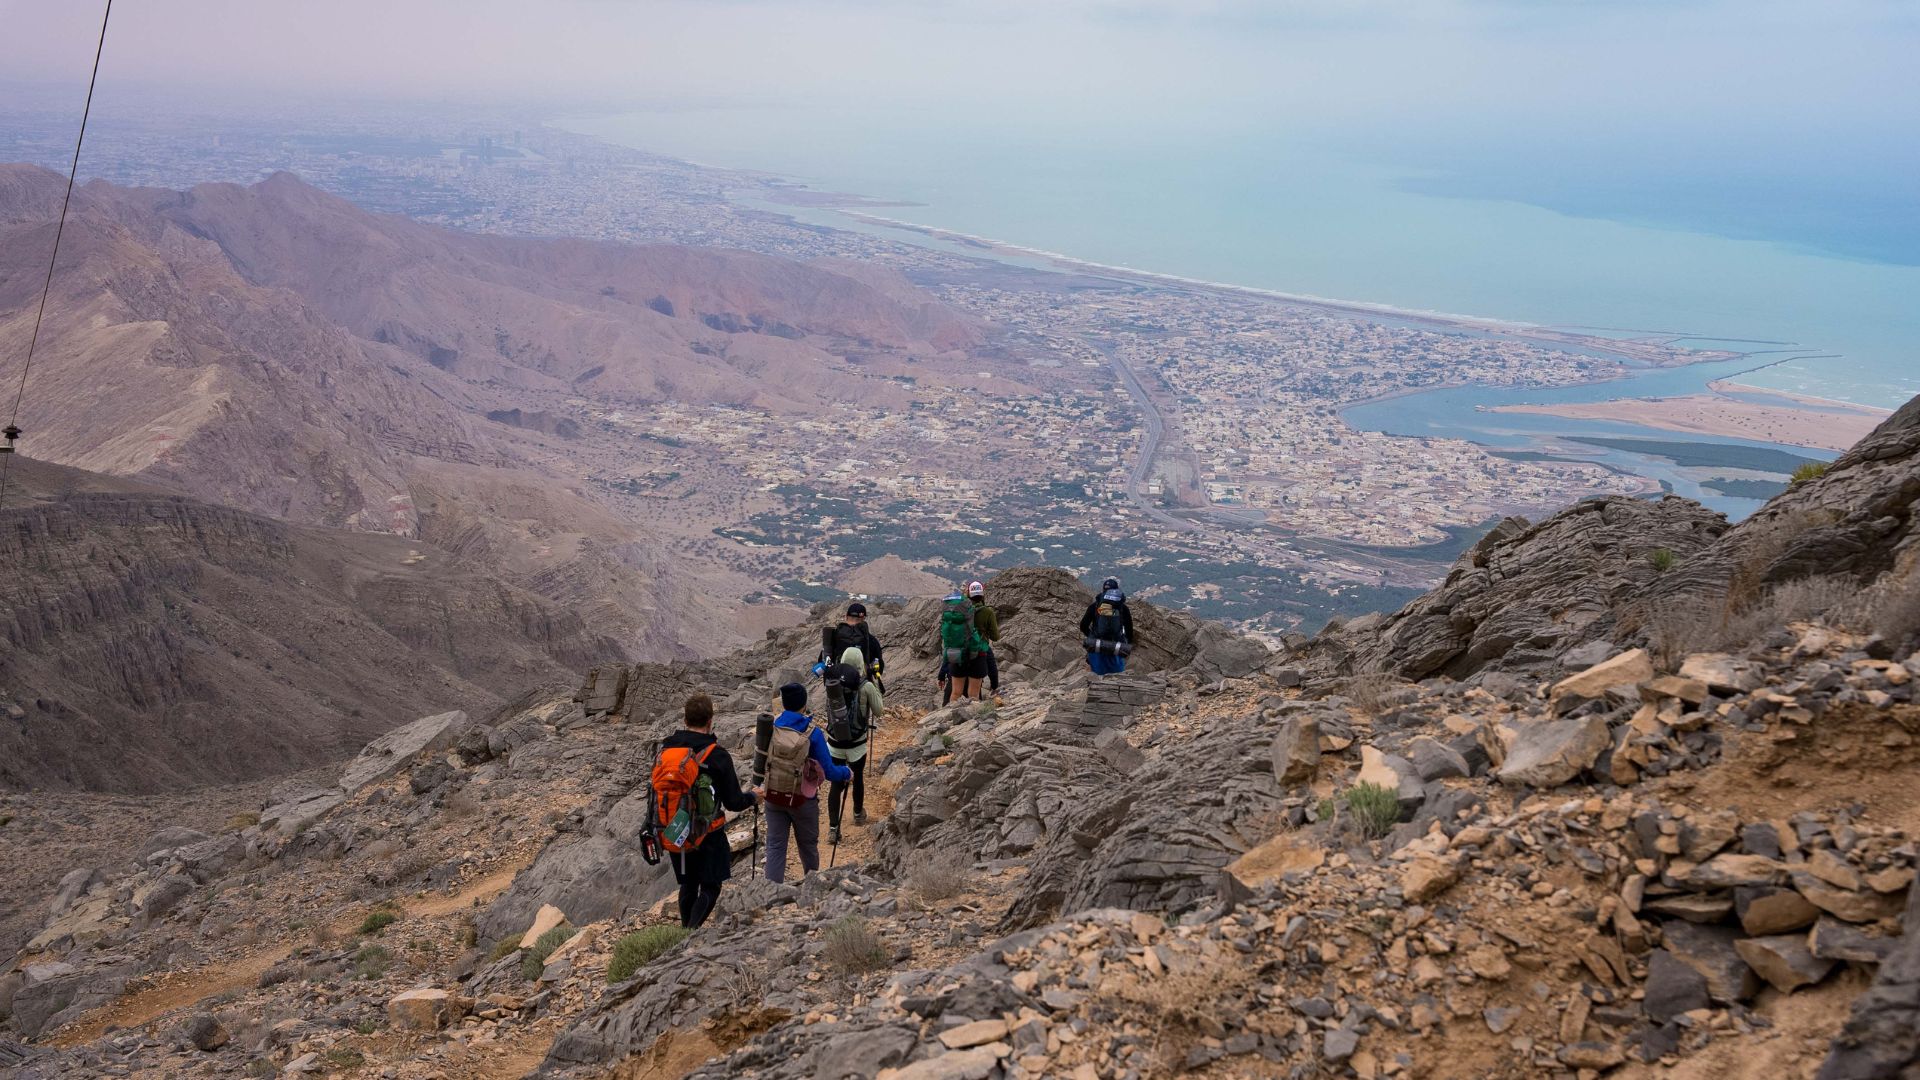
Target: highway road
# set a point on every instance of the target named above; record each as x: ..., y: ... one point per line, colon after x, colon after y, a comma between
x: 1248, y: 529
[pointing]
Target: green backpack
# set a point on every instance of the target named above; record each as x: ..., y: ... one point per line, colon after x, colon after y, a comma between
x: 959, y: 638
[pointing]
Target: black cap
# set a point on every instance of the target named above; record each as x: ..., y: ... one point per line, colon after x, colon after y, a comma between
x: 857, y: 608
x: 793, y: 697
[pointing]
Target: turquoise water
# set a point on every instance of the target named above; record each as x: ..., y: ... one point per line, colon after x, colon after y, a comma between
x: 1292, y: 215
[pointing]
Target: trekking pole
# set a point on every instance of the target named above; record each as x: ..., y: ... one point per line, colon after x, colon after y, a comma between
x: 762, y: 745
x: 839, y: 805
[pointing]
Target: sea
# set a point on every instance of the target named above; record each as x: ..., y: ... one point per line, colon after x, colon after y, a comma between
x: 1818, y: 290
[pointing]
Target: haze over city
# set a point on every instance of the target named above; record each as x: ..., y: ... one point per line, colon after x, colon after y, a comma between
x: 972, y: 540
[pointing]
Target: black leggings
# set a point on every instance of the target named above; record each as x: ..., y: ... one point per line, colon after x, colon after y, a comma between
x: 696, y: 902
x: 837, y: 791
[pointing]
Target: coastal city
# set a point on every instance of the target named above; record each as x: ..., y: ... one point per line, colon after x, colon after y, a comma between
x: 1191, y: 434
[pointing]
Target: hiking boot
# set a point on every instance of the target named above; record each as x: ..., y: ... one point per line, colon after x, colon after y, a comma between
x: 859, y: 817
x: 833, y: 835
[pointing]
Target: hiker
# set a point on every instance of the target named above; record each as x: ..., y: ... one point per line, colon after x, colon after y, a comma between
x: 797, y: 763
x: 1107, y: 630
x: 961, y: 646
x: 708, y: 861
x: 849, y: 736
x: 988, y: 622
x: 852, y: 632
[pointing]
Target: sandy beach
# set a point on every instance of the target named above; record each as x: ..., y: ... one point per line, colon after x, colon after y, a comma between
x: 1822, y: 425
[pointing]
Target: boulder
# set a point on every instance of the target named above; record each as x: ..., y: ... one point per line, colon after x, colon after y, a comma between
x: 1712, y: 951
x: 52, y: 993
x: 290, y: 819
x: 977, y: 1033
x: 1526, y: 595
x: 1720, y: 672
x: 1765, y: 910
x: 388, y: 754
x: 423, y: 1010
x: 1618, y: 677
x: 1832, y: 939
x: 204, y: 1032
x: 1428, y: 876
x: 1673, y: 987
x: 1848, y: 904
x: 1296, y: 750
x: 1784, y: 960
x: 173, y: 836
x: 547, y: 918
x: 73, y: 886
x: 591, y: 876
x: 1435, y: 760
x: 1547, y: 753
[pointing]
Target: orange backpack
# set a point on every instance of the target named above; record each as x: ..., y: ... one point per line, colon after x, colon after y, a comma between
x: 682, y: 808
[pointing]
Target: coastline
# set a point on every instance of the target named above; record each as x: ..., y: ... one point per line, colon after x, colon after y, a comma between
x: 1650, y: 353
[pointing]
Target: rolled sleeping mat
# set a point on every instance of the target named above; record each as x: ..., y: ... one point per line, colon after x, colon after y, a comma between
x: 762, y: 744
x: 1109, y: 648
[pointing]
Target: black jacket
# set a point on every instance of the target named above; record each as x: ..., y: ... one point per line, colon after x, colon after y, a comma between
x: 1093, y: 612
x: 712, y: 861
x: 840, y: 637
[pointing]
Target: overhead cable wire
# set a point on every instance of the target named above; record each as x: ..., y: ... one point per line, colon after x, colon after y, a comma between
x: 33, y: 342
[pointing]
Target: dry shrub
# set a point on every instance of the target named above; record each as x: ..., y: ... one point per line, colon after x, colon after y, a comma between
x: 1836, y: 598
x: 852, y: 948
x: 1182, y: 1007
x: 1374, y: 693
x: 1892, y: 607
x: 406, y: 866
x: 1764, y: 543
x: 1676, y: 631
x: 938, y: 876
x: 462, y: 803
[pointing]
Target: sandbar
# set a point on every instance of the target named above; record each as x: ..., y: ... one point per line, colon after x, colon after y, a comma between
x: 1831, y: 426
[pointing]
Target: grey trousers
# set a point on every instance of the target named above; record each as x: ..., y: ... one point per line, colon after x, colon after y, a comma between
x: 805, y: 823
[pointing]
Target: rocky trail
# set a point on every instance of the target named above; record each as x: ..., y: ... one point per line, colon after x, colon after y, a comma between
x: 1586, y: 810
x: 146, y: 1000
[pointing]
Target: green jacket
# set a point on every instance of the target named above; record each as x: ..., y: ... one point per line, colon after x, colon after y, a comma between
x: 986, y: 620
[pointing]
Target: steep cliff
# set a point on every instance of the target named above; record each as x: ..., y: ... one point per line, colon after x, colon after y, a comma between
x: 155, y: 642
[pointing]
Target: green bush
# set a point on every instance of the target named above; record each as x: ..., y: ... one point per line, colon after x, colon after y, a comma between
x: 1326, y: 809
x: 853, y: 947
x: 1812, y: 470
x: 371, y: 962
x: 535, y: 959
x: 1662, y: 559
x: 377, y: 921
x: 505, y: 946
x: 1375, y: 807
x: 640, y: 948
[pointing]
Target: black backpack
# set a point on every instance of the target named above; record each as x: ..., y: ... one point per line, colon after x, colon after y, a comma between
x: 846, y: 715
x: 1109, y: 632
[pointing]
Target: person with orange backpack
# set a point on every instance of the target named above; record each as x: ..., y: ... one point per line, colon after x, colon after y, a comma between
x: 693, y: 780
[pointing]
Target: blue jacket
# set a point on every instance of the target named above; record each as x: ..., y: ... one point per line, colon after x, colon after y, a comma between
x: 818, y: 739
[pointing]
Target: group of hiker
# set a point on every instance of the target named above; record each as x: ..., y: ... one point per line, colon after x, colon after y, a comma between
x: 694, y: 782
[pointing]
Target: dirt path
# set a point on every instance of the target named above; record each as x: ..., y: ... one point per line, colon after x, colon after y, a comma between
x: 178, y: 990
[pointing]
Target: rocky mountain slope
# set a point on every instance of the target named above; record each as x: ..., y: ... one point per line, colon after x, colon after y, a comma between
x: 155, y: 643
x: 1637, y: 838
x: 276, y: 349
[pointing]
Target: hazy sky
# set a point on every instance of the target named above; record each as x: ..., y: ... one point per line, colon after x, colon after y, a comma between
x: 1806, y: 65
